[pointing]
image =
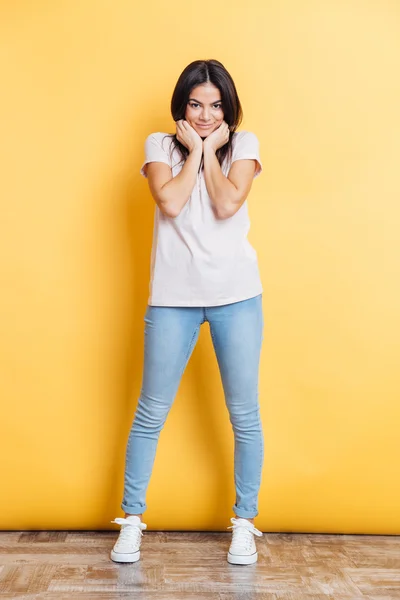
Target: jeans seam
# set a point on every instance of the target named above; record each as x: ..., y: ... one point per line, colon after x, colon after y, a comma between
x: 189, y: 351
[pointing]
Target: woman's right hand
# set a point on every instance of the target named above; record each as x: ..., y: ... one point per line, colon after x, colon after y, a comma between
x: 188, y: 136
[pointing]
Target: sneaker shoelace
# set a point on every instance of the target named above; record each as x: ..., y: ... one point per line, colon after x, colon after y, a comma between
x: 242, y: 533
x: 129, y: 534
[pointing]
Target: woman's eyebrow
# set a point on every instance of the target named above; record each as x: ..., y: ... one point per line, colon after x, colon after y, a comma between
x: 198, y: 102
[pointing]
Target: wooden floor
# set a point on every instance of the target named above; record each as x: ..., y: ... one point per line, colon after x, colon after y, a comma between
x: 55, y: 565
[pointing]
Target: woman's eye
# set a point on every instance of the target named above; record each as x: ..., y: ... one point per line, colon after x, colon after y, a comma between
x: 195, y: 105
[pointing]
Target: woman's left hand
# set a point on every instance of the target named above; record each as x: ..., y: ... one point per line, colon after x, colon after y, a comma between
x: 219, y: 137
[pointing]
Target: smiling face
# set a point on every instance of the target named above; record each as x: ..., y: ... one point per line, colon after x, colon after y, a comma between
x: 204, y: 109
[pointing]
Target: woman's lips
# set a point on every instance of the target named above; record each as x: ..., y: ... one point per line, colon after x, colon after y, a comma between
x: 204, y: 126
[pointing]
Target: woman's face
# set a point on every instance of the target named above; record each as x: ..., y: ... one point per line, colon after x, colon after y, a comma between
x: 204, y: 109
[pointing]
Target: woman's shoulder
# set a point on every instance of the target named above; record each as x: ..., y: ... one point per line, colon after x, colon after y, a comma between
x: 244, y: 135
x: 245, y: 141
x: 159, y: 138
x: 159, y: 135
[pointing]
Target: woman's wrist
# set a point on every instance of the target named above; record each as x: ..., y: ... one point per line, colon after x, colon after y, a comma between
x: 208, y: 147
x: 198, y: 149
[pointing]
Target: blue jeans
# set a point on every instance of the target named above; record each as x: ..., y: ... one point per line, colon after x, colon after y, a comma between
x: 171, y: 333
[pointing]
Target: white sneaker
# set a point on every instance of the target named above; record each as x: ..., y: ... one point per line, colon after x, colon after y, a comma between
x: 242, y: 550
x: 126, y: 548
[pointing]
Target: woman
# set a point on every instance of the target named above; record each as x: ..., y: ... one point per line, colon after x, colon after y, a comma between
x: 202, y: 269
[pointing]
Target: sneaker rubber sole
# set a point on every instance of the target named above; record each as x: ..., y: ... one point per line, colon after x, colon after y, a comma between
x: 242, y: 559
x: 125, y: 557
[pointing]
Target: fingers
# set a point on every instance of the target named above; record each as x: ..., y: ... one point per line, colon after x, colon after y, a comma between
x: 224, y: 128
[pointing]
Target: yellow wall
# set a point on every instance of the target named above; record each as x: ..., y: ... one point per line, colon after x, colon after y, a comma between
x: 83, y: 84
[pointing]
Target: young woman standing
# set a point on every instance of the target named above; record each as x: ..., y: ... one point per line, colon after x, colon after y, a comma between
x: 203, y: 268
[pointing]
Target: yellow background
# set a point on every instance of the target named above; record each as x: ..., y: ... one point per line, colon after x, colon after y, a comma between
x: 83, y: 84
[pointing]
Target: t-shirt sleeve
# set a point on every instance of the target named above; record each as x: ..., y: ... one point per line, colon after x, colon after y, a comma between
x: 154, y: 151
x: 247, y: 146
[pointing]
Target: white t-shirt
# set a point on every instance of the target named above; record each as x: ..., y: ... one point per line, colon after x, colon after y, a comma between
x: 196, y: 258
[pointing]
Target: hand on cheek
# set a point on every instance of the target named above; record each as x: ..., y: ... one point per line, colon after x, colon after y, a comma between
x: 187, y: 135
x: 219, y: 137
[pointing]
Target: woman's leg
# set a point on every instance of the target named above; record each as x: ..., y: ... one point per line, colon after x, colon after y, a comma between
x: 171, y: 334
x: 237, y: 334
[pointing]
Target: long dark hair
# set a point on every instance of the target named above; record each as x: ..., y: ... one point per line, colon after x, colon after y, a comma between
x: 196, y: 73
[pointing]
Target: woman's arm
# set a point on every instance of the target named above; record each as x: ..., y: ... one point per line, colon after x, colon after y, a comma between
x: 226, y: 193
x: 172, y: 193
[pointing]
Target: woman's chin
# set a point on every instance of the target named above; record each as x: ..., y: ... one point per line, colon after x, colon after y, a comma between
x: 204, y: 135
